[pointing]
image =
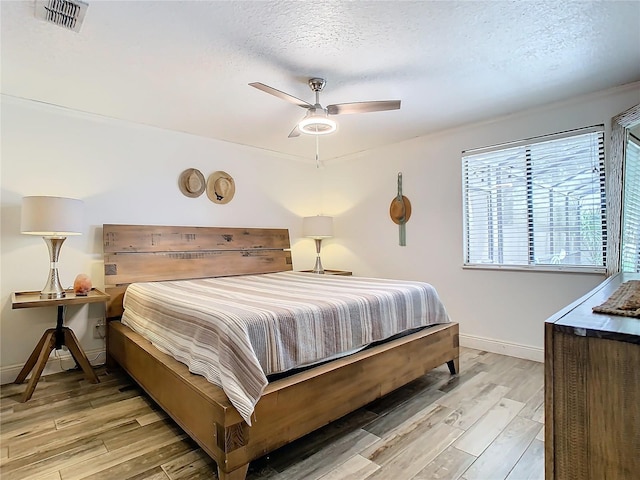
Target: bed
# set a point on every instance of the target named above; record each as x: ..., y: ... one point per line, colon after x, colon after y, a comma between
x: 287, y: 407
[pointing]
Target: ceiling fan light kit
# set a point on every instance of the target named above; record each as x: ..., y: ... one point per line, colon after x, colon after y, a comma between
x: 317, y: 121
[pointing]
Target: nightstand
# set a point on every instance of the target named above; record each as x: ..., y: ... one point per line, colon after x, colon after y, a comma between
x: 331, y: 272
x: 54, y: 337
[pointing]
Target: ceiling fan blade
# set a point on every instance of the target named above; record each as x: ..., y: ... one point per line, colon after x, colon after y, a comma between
x: 295, y: 132
x: 282, y: 95
x: 363, y: 107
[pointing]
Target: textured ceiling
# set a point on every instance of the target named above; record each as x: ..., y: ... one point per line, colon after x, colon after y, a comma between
x: 185, y: 66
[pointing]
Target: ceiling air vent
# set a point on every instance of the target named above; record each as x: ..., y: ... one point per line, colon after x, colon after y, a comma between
x: 65, y: 13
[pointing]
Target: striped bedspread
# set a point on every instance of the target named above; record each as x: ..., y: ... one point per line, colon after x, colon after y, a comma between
x: 237, y: 330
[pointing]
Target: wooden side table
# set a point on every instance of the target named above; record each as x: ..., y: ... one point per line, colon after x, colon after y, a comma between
x: 54, y: 337
x: 344, y: 273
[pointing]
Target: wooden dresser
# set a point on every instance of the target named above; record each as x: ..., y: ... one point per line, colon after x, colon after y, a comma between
x: 592, y: 390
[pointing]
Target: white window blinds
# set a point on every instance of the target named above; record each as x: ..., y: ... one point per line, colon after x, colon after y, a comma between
x: 538, y: 203
x: 630, y: 250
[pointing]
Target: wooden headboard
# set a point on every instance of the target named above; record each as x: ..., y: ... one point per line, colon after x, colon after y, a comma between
x: 147, y: 253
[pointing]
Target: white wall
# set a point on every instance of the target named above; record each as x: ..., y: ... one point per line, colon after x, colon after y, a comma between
x: 128, y: 173
x: 125, y: 173
x: 501, y: 311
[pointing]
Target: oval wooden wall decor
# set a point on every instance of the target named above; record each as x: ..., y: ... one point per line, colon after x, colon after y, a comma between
x: 400, y: 209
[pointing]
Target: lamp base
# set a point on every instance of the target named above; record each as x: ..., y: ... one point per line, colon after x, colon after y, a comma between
x: 45, y: 295
x: 53, y: 289
x: 318, y: 266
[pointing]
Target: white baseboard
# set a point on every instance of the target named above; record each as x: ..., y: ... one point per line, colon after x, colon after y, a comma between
x: 526, y: 352
x: 64, y: 361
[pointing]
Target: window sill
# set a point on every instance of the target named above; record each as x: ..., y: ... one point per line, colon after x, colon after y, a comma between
x: 540, y: 268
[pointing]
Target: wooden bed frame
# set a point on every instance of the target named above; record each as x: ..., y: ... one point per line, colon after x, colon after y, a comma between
x: 290, y: 407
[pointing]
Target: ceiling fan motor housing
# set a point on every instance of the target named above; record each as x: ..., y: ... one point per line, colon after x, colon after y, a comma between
x: 316, y: 84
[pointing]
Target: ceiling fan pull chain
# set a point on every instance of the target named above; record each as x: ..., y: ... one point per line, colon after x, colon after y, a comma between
x: 317, y: 151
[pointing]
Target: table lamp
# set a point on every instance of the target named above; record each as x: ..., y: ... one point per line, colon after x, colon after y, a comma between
x: 53, y: 218
x: 317, y: 227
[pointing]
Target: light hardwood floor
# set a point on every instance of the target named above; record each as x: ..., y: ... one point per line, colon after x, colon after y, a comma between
x: 484, y: 424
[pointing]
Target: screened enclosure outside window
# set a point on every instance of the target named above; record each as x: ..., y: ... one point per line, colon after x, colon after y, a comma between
x: 630, y: 250
x: 538, y: 203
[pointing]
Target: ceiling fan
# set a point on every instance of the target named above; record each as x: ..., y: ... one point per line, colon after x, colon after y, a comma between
x: 317, y: 121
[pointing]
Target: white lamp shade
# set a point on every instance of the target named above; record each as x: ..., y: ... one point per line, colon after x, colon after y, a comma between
x: 319, y: 226
x: 52, y: 216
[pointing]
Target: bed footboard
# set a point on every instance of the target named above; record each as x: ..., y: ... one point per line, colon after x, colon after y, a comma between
x: 290, y: 407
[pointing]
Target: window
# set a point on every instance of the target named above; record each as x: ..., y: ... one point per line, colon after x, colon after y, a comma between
x: 630, y: 250
x: 538, y: 203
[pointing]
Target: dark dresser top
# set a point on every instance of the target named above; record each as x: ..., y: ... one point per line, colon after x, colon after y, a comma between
x: 579, y: 319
